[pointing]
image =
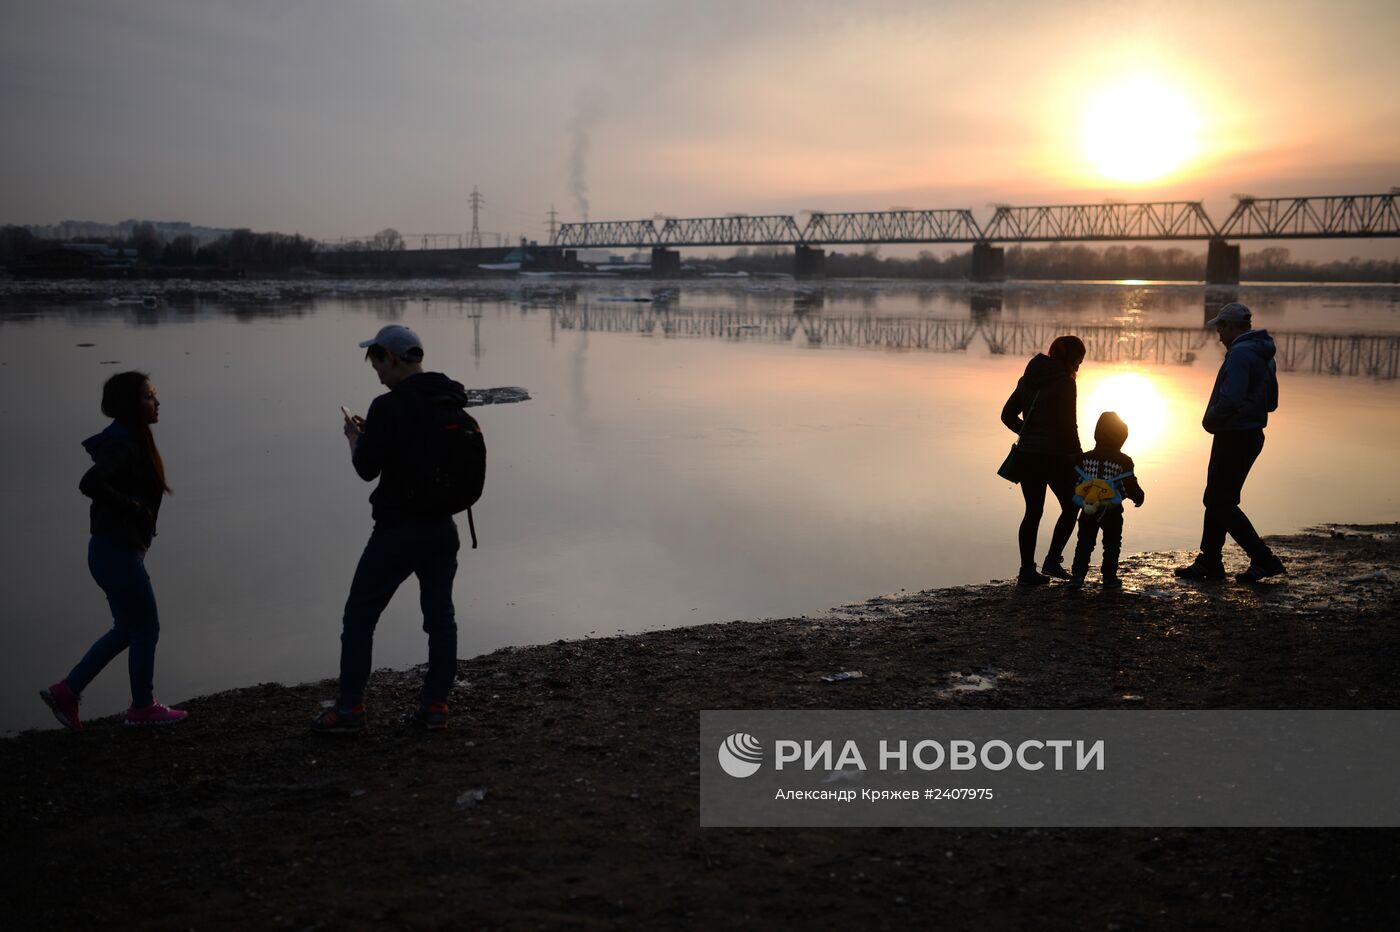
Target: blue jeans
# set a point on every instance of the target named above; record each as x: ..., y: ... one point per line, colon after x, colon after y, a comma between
x: 427, y: 548
x: 120, y: 569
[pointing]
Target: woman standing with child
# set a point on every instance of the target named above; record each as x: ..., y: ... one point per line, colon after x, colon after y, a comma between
x: 126, y: 484
x: 1043, y: 412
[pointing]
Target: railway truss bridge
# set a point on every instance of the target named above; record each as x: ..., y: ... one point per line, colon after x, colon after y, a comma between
x: 1290, y: 218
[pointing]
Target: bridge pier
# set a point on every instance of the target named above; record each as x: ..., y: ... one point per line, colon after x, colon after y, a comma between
x: 809, y: 262
x: 988, y: 263
x: 1222, y: 263
x: 665, y: 263
x: 984, y: 305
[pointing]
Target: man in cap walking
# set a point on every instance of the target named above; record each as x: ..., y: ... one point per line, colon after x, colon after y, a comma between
x: 1246, y: 390
x: 411, y: 536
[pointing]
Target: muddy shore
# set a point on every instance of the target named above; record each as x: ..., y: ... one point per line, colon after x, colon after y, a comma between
x: 566, y: 792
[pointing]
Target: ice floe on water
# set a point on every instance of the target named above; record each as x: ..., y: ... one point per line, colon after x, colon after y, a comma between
x: 495, y: 396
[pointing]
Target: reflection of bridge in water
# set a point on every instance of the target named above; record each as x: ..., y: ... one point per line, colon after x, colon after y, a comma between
x: 1374, y: 356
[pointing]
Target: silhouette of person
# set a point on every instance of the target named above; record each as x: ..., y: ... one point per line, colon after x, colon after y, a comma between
x: 411, y: 536
x: 126, y: 484
x: 1106, y: 480
x: 1043, y: 412
x: 1246, y: 390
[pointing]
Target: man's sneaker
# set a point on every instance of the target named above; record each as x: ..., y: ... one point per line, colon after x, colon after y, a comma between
x: 154, y: 714
x: 63, y: 702
x: 1203, y: 567
x: 1055, y: 569
x: 1112, y: 583
x: 1075, y: 582
x: 1262, y: 569
x: 335, y: 720
x: 432, y: 716
x: 1029, y: 577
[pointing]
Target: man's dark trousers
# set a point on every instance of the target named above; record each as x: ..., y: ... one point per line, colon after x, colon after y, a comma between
x: 427, y: 548
x: 1232, y: 453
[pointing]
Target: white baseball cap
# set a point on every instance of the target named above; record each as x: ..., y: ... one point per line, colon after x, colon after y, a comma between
x: 397, y: 339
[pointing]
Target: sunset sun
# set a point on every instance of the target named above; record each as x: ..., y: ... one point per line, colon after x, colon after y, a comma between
x: 1136, y: 399
x: 1138, y: 130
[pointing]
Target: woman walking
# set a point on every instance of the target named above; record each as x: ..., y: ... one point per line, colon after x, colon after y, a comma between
x: 126, y: 484
x: 1042, y: 410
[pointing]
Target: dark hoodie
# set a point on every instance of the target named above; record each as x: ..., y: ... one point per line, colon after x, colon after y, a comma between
x: 123, y: 485
x: 1246, y: 388
x: 1046, y: 395
x: 394, y: 446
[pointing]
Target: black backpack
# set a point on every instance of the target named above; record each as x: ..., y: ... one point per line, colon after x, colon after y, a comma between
x: 453, y: 464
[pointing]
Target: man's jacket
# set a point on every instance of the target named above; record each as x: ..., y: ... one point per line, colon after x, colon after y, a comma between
x: 395, y: 444
x: 1246, y: 388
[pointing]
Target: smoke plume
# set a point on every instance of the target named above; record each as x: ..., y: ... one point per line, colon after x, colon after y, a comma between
x: 586, y: 114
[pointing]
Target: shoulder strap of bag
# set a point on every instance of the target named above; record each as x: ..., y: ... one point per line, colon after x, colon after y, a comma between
x: 1026, y: 420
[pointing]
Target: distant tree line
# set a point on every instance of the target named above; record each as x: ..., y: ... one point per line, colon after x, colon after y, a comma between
x: 16, y: 243
x: 1078, y: 262
x: 239, y: 249
x: 386, y: 240
x: 1276, y: 264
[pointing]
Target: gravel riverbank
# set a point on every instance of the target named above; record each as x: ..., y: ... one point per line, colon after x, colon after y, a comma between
x: 565, y: 792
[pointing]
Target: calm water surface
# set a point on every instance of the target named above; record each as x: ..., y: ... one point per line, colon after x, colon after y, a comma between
x: 731, y: 450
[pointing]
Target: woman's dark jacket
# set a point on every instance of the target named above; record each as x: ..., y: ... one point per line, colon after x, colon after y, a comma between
x: 123, y: 486
x: 1047, y: 397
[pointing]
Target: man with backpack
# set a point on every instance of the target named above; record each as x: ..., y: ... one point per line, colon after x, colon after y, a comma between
x: 1245, y: 393
x: 429, y: 458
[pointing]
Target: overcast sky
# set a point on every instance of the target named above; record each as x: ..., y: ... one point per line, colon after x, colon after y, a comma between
x: 340, y: 117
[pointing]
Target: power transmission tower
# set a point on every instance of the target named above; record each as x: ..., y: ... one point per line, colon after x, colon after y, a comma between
x: 476, y: 200
x: 553, y: 223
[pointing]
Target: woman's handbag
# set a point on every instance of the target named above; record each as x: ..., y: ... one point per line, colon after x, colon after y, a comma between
x: 1010, y: 468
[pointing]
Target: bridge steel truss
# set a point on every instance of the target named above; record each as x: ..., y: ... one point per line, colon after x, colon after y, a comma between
x: 1157, y: 220
x: 1313, y: 217
x: 620, y: 234
x: 893, y: 226
x: 734, y: 230
x: 1361, y: 215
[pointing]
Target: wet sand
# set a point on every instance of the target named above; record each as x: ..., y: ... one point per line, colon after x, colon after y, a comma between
x: 566, y: 792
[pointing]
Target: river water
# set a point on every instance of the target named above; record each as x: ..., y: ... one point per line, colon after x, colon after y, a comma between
x: 692, y: 452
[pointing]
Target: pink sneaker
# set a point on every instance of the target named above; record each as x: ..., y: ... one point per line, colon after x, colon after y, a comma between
x: 154, y: 714
x: 64, y: 704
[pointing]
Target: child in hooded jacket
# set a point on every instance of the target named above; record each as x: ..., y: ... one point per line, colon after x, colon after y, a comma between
x: 1105, y: 480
